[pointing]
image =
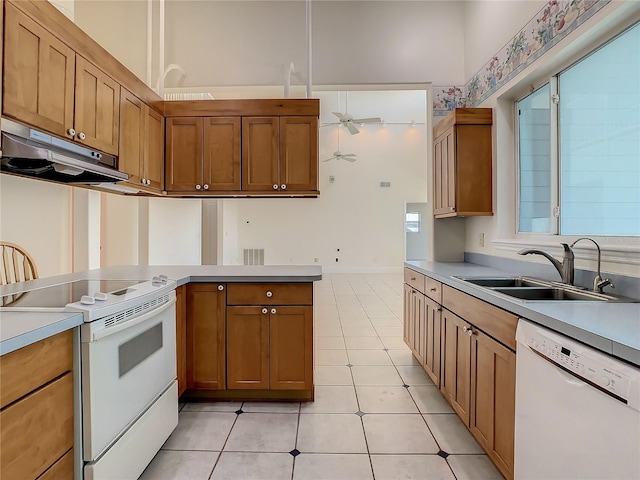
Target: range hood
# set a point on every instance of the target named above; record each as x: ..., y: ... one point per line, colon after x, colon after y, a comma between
x: 31, y: 153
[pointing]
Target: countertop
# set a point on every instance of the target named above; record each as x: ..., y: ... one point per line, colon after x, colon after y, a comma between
x: 613, y: 328
x: 18, y: 329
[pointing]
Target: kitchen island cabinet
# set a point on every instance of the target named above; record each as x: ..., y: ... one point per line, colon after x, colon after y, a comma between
x: 259, y: 334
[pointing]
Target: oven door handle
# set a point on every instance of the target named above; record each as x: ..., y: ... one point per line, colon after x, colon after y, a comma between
x: 135, y: 321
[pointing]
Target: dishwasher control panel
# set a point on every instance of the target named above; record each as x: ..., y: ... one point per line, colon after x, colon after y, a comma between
x: 599, y: 370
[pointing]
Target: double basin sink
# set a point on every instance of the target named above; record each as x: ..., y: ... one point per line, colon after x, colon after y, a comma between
x: 532, y: 289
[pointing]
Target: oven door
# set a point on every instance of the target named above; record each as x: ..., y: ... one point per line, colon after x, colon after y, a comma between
x: 125, y: 369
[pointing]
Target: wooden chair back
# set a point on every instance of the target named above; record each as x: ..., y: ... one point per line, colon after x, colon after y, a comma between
x: 16, y: 265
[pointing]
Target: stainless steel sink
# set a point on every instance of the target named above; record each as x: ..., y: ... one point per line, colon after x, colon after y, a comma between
x: 535, y: 290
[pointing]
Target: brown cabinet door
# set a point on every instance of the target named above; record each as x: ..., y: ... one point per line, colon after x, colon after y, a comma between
x: 97, y: 107
x: 455, y: 380
x: 38, y: 75
x: 493, y: 377
x: 206, y: 305
x: 299, y: 153
x: 181, y: 338
x: 420, y: 326
x: 132, y: 136
x: 222, y: 154
x: 153, y: 170
x: 408, y: 315
x: 184, y: 154
x: 247, y: 348
x: 431, y: 357
x: 260, y: 157
x: 444, y: 171
x: 291, y: 348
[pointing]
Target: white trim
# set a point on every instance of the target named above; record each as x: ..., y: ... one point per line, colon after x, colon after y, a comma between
x: 625, y: 253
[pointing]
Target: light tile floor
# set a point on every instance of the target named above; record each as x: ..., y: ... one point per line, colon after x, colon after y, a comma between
x: 376, y: 414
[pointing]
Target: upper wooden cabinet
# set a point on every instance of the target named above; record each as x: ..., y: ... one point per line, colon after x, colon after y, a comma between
x: 141, y: 143
x: 280, y: 154
x: 39, y: 90
x: 39, y: 72
x: 462, y: 163
x: 97, y: 109
x: 203, y: 154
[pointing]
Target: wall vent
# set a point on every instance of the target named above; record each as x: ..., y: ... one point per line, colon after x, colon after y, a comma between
x: 254, y: 256
x: 385, y: 184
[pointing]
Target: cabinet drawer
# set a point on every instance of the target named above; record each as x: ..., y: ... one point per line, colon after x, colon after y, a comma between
x: 26, y: 369
x: 414, y: 279
x: 62, y: 469
x: 494, y: 321
x: 269, y: 294
x: 433, y: 289
x: 37, y: 430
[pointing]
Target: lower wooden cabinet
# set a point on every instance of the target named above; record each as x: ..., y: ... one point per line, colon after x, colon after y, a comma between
x: 455, y: 380
x: 492, y: 421
x: 241, y: 344
x: 431, y: 343
x: 181, y: 338
x: 206, y: 308
x: 247, y: 348
x: 37, y: 409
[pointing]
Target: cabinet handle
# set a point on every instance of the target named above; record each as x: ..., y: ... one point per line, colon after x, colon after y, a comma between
x: 413, y: 279
x: 283, y: 187
x: 265, y: 311
x: 452, y: 209
x: 198, y: 187
x: 269, y: 294
x: 273, y: 311
x: 275, y: 186
x: 433, y: 289
x: 221, y: 287
x: 206, y: 186
x: 82, y: 136
x: 71, y: 132
x: 438, y: 309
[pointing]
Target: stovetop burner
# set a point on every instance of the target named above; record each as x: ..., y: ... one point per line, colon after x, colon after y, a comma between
x: 57, y: 296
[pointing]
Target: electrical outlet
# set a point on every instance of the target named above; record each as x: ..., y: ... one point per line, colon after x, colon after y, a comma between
x: 481, y: 240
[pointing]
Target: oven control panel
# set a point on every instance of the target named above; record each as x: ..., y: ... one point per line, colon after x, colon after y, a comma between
x: 595, y: 368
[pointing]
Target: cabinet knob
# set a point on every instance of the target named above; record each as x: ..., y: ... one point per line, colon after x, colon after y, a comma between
x: 265, y: 311
x: 433, y: 289
x: 82, y: 136
x: 438, y: 309
x: 198, y: 187
x: 413, y: 279
x: 452, y: 209
x: 71, y: 132
x: 275, y: 186
x: 468, y: 330
x: 283, y: 187
x: 269, y: 294
x: 206, y: 186
x: 273, y: 311
x: 221, y: 287
x: 148, y: 182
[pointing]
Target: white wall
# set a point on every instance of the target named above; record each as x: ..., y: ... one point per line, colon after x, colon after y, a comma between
x: 231, y: 43
x: 65, y: 6
x: 499, y: 230
x: 119, y: 230
x: 353, y: 214
x: 37, y: 216
x: 175, y: 234
x: 489, y: 25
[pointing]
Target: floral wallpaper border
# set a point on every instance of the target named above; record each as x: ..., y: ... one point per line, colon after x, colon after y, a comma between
x: 554, y: 22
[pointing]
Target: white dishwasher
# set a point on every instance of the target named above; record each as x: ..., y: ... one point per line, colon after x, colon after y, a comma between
x: 577, y: 410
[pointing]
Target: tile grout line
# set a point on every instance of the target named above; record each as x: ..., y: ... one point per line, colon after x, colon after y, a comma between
x: 225, y: 442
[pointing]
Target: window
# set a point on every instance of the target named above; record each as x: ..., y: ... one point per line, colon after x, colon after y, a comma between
x: 579, y: 146
x: 412, y: 222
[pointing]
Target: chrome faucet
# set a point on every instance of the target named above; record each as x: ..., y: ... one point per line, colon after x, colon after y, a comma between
x: 564, y: 268
x: 598, y: 282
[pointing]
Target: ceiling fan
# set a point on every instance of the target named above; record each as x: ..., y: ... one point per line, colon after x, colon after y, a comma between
x: 349, y: 122
x: 349, y: 157
x: 338, y: 155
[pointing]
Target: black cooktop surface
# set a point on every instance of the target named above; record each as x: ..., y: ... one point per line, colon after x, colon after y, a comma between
x: 57, y: 296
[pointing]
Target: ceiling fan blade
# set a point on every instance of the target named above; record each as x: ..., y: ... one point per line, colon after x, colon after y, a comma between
x: 367, y: 120
x: 328, y: 159
x: 349, y: 159
x: 340, y: 116
x: 351, y: 127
